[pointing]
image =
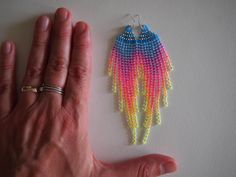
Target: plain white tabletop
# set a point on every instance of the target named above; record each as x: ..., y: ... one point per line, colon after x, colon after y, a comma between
x: 199, y: 126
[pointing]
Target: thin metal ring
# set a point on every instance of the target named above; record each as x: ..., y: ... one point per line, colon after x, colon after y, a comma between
x: 50, y: 88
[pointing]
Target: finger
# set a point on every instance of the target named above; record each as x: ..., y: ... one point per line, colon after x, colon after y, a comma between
x: 149, y: 166
x: 37, y: 58
x: 78, y: 80
x: 7, y: 78
x: 56, y: 71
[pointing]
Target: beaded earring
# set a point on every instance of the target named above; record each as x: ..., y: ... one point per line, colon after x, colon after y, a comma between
x: 122, y: 66
x: 135, y: 61
x: 154, y: 68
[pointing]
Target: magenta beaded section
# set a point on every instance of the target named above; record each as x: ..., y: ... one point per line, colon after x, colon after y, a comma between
x: 140, y: 62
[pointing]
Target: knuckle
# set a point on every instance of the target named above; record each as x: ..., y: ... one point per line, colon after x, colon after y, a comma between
x: 6, y: 67
x: 78, y: 45
x: 76, y: 99
x: 79, y: 72
x: 38, y: 42
x: 63, y: 33
x: 34, y: 72
x: 5, y: 86
x: 58, y: 64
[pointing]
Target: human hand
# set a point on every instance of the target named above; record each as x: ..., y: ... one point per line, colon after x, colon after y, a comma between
x: 45, y: 134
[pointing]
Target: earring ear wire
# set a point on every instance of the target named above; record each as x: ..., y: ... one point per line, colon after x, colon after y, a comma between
x: 139, y: 20
x: 133, y: 20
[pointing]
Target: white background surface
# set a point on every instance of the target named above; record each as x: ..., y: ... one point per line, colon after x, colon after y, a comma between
x: 199, y: 126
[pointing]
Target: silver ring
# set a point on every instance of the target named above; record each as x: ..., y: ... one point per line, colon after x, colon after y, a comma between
x: 50, y: 88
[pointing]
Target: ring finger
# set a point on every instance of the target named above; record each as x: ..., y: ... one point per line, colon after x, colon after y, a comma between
x: 37, y: 58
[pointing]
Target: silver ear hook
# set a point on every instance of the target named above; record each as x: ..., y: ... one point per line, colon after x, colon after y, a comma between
x: 133, y: 20
x: 139, y: 20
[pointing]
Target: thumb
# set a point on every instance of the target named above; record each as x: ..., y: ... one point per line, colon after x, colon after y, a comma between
x: 149, y: 166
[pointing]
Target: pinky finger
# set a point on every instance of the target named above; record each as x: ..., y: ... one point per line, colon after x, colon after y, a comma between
x: 7, y: 78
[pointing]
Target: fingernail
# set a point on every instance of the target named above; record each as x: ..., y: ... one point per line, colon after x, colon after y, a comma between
x: 6, y: 47
x: 80, y: 27
x: 168, y: 167
x: 61, y: 14
x: 43, y: 23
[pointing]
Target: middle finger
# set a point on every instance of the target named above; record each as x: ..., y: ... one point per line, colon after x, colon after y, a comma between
x: 56, y: 71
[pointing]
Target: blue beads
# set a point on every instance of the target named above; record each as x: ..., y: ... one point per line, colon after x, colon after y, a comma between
x: 128, y: 28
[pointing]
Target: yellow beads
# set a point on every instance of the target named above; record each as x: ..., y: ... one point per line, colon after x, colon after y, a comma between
x: 168, y: 81
x: 148, y: 120
x: 109, y: 68
x: 134, y: 136
x: 169, y: 64
x: 146, y: 134
x: 145, y: 104
x: 114, y: 88
x: 158, y: 117
x: 121, y: 105
x: 164, y: 101
x: 131, y: 119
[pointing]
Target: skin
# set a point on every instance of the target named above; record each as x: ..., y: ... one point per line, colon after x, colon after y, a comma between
x: 45, y: 134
